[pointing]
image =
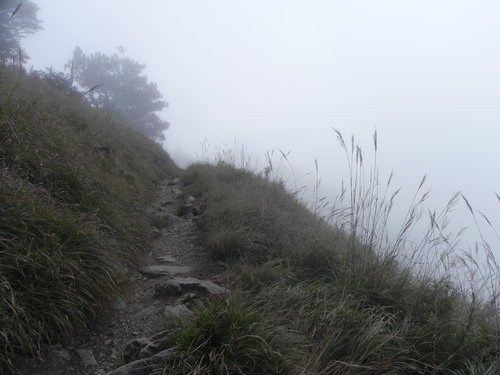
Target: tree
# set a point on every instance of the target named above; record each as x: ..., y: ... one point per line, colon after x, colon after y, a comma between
x: 18, y: 19
x: 116, y: 83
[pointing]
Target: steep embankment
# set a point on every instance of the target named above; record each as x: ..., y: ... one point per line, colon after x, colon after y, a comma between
x: 340, y: 304
x: 73, y: 187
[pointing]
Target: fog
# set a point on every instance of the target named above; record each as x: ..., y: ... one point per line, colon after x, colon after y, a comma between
x: 280, y: 74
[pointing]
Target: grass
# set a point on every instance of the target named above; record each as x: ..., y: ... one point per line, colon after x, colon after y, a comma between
x: 363, y: 301
x: 227, y: 337
x: 73, y: 184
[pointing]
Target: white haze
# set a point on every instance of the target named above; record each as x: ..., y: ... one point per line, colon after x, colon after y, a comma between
x: 280, y: 74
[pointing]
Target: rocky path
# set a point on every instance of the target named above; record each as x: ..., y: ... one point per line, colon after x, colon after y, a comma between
x: 176, y: 276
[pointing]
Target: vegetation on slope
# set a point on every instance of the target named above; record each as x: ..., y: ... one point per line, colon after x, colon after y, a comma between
x: 342, y: 294
x: 73, y: 182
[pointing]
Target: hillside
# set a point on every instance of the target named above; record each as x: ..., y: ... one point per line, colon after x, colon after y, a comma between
x: 89, y: 210
x: 73, y: 187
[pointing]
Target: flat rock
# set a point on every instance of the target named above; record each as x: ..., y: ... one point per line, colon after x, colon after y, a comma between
x: 164, y: 270
x: 87, y: 357
x: 179, y: 285
x: 166, y: 259
x: 177, y: 312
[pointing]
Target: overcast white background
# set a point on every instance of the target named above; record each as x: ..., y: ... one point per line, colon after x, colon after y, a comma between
x: 279, y: 74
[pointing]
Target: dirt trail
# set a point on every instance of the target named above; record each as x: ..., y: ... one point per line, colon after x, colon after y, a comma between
x: 175, y: 253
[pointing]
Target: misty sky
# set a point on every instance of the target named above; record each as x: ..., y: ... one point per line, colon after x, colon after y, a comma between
x: 280, y: 74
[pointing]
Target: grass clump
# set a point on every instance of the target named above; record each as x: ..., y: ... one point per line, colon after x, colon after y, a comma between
x: 227, y: 337
x: 73, y: 185
x: 364, y: 301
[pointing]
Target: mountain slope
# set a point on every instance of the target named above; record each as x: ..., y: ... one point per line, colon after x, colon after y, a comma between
x: 73, y: 184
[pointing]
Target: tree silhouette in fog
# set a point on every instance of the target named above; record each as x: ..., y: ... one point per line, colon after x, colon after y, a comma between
x: 116, y: 83
x: 18, y: 19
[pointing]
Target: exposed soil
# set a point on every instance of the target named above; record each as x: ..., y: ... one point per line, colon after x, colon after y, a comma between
x: 139, y: 313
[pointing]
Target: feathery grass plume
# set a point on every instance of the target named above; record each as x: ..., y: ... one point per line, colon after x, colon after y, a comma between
x: 365, y: 297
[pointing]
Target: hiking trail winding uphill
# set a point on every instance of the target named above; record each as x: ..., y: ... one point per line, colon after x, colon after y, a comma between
x: 175, y: 277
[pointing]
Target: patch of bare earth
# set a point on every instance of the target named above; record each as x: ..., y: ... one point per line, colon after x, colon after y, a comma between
x: 175, y: 277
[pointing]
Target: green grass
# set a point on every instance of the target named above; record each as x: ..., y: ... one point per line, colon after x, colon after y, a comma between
x: 73, y: 185
x: 227, y: 337
x: 359, y: 299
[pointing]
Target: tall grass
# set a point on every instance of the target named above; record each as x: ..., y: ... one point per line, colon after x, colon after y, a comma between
x: 368, y: 298
x: 73, y: 184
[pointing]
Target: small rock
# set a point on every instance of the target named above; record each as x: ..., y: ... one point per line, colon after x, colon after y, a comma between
x: 87, y: 357
x: 162, y: 270
x: 197, y: 303
x: 177, y: 312
x: 155, y: 233
x: 166, y: 203
x: 118, y: 304
x: 174, y: 181
x: 139, y: 367
x: 188, y: 297
x: 148, y: 311
x: 162, y: 356
x: 132, y: 349
x: 120, y: 269
x: 178, y: 285
x: 161, y: 221
x: 190, y: 199
x: 166, y: 338
x: 144, y: 366
x: 166, y: 259
x: 176, y: 191
x: 58, y: 354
